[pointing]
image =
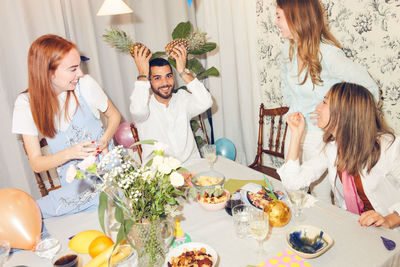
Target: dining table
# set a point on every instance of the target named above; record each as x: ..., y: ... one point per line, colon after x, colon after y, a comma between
x: 353, y: 246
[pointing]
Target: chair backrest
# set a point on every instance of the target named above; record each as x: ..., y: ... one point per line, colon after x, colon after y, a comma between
x: 276, y: 139
x: 46, y: 180
x: 136, y: 138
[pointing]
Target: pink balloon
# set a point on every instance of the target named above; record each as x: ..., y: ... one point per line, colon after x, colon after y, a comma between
x: 123, y: 135
x: 21, y: 220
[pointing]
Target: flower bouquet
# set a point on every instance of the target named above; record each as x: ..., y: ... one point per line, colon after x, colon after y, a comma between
x: 143, y: 196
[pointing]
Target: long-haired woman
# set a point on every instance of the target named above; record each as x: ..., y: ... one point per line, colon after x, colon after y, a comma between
x: 311, y: 62
x: 360, y: 152
x: 64, y: 106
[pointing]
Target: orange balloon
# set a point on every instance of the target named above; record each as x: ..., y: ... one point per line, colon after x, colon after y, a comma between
x: 21, y: 221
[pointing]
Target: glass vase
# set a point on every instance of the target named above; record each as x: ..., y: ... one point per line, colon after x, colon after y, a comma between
x: 152, y: 241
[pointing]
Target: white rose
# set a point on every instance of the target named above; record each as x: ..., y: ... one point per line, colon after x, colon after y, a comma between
x: 164, y: 168
x: 158, y: 146
x: 173, y: 163
x: 177, y: 179
x: 157, y: 161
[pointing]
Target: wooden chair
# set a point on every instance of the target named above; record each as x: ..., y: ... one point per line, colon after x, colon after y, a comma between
x: 135, y: 135
x: 276, y: 144
x: 45, y: 180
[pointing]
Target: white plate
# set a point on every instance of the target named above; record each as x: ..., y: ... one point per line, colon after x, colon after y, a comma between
x: 175, y: 252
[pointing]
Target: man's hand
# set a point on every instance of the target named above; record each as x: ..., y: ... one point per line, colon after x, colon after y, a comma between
x: 142, y: 61
x: 179, y: 53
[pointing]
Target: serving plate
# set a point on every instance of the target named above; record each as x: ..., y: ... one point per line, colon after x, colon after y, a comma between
x: 175, y: 252
x: 304, y: 241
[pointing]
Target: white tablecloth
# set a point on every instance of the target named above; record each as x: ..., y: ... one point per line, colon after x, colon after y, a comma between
x: 354, y: 245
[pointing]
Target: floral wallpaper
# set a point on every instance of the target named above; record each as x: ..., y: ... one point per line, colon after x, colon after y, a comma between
x: 369, y: 31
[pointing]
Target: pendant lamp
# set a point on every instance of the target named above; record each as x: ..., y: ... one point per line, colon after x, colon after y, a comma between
x: 113, y: 7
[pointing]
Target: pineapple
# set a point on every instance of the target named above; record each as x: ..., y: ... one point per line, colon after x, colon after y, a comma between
x: 138, y: 45
x: 170, y: 46
x: 121, y: 41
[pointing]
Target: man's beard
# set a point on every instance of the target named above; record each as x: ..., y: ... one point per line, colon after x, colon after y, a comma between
x: 157, y: 92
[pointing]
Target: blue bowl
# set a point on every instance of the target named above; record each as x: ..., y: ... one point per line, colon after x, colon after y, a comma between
x: 308, y: 241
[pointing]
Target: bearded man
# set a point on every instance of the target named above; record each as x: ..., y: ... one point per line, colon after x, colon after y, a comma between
x: 165, y: 116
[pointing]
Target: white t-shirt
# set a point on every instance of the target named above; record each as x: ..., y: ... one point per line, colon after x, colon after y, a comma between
x: 90, y: 90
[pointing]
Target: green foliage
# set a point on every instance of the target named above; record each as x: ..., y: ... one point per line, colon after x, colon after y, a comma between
x: 194, y: 65
x: 210, y: 72
x: 182, y: 30
x: 158, y: 54
x: 195, y: 125
x: 208, y: 47
x: 102, y: 209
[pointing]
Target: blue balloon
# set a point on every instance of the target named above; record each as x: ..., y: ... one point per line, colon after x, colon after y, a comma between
x: 225, y: 148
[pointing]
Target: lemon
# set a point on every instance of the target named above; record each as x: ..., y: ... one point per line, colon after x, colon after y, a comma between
x: 80, y: 242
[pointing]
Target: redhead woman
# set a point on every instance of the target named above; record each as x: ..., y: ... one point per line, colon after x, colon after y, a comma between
x: 311, y: 62
x: 360, y: 152
x: 63, y: 105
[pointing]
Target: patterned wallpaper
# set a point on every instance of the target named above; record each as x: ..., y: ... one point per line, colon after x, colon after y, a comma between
x: 369, y: 31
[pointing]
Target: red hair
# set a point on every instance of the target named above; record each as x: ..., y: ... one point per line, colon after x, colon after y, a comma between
x: 44, y: 57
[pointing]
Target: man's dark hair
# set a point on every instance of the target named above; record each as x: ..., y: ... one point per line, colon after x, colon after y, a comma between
x: 158, y: 62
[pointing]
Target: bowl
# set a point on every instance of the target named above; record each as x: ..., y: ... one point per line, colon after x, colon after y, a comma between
x: 212, y: 206
x: 175, y: 252
x: 306, y: 242
x: 212, y: 174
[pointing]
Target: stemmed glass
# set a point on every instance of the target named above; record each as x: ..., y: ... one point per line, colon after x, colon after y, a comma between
x: 258, y: 227
x: 298, y: 198
x: 210, y: 154
x: 4, y: 251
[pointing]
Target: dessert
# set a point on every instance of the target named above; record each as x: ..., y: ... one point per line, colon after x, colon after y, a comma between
x: 195, y: 258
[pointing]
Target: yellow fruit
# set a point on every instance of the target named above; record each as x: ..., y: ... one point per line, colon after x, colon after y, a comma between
x: 99, y: 245
x: 80, y: 242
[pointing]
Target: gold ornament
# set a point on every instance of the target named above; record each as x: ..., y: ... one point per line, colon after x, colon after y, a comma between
x: 138, y: 45
x: 171, y: 45
x: 278, y: 212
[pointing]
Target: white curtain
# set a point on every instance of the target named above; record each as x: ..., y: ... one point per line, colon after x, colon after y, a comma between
x: 232, y: 25
x: 229, y: 23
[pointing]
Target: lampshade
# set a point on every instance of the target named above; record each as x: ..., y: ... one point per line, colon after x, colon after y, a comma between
x: 113, y: 7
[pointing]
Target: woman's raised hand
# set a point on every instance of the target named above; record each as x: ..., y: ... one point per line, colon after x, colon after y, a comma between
x: 296, y: 123
x: 82, y: 150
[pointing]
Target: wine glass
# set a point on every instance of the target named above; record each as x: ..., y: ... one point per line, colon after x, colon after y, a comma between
x: 210, y: 154
x: 298, y: 197
x: 4, y: 251
x: 258, y: 227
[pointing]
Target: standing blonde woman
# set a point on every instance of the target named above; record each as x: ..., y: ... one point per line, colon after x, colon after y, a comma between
x: 63, y: 105
x: 311, y: 62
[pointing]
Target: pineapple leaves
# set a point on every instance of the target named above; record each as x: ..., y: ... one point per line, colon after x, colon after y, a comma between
x: 182, y: 30
x: 118, y: 38
x: 210, y: 72
x: 207, y: 47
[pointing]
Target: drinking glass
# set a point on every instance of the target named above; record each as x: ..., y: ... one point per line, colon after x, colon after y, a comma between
x: 259, y: 227
x: 240, y: 216
x: 298, y: 198
x: 47, y: 246
x: 4, y: 251
x: 210, y: 154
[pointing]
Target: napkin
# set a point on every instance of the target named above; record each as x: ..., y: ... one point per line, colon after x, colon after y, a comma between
x: 232, y: 185
x: 285, y: 258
